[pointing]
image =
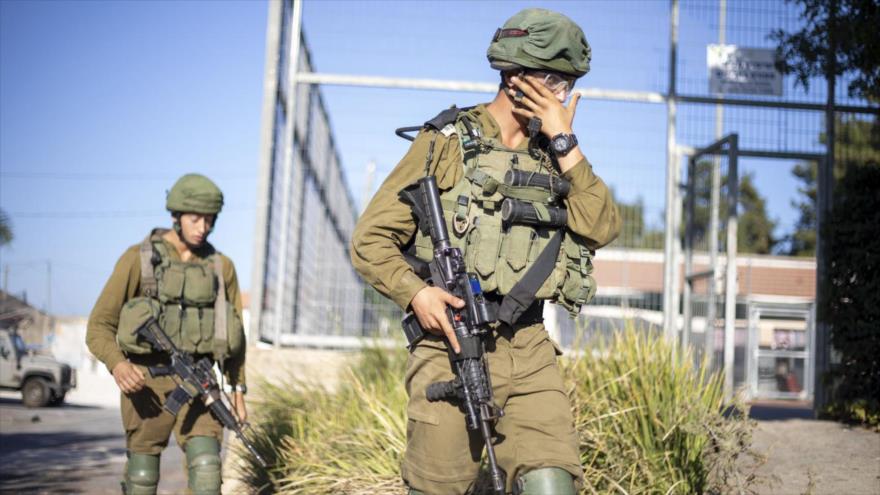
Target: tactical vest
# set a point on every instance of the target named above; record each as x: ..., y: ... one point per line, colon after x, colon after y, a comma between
x: 188, y: 299
x: 501, y: 254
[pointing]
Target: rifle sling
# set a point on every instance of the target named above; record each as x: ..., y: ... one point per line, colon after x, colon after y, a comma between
x: 522, y: 295
x: 161, y: 359
x: 220, y: 337
x: 149, y: 284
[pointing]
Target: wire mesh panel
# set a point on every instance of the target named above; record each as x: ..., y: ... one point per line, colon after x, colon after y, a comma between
x: 308, y: 286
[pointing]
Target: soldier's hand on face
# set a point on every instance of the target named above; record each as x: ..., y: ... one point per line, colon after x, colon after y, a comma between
x: 429, y: 306
x: 538, y: 101
x: 129, y: 378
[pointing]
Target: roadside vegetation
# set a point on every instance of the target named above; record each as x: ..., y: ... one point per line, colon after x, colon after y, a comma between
x: 649, y: 422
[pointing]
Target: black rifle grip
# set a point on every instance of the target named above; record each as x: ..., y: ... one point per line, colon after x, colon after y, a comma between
x: 176, y: 400
x: 157, y: 371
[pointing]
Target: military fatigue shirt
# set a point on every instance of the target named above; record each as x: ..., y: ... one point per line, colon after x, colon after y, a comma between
x: 125, y: 284
x: 387, y: 224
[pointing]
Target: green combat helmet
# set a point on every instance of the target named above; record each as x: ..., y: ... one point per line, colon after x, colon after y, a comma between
x: 543, y: 40
x: 194, y: 193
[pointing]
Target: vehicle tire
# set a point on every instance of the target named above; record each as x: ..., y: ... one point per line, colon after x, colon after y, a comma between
x: 35, y: 392
x: 57, y: 399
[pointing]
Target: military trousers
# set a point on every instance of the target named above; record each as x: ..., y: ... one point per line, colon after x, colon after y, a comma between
x: 148, y: 426
x: 536, y: 431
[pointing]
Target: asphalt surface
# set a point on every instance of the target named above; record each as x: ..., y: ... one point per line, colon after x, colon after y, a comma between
x: 70, y: 449
x: 81, y: 449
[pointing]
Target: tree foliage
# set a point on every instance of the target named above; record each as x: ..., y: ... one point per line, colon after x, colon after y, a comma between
x: 839, y: 37
x: 754, y: 235
x: 857, y: 142
x: 636, y: 233
x: 755, y: 227
x: 5, y: 229
x: 852, y: 305
x: 755, y: 232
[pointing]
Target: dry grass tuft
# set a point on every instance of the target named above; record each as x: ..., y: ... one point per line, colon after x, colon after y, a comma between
x: 649, y: 422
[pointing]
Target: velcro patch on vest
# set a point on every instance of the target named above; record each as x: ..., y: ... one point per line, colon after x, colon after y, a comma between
x: 448, y: 130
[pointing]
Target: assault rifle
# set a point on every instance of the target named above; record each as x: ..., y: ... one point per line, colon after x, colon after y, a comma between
x: 193, y: 379
x: 471, y: 386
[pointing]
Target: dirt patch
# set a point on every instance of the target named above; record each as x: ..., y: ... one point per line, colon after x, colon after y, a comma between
x: 807, y: 456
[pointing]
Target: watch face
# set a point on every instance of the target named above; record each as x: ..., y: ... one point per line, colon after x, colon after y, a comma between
x: 560, y: 143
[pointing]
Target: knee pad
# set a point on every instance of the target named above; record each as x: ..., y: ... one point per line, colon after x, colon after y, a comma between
x: 203, y: 463
x: 141, y: 474
x: 545, y: 481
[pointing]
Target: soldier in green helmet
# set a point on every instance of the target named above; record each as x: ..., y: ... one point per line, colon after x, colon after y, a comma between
x: 484, y: 160
x: 178, y: 278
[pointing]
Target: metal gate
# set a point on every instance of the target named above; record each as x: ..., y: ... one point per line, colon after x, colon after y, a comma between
x: 781, y: 351
x: 702, y: 273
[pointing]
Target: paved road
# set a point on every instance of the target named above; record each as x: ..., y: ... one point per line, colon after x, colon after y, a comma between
x: 70, y: 449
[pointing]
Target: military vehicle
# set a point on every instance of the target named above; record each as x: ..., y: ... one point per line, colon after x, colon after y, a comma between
x: 41, y: 379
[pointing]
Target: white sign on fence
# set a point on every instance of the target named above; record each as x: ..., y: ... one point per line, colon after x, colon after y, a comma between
x: 750, y: 71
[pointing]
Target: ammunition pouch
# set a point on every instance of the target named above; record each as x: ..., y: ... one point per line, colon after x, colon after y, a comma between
x: 183, y: 298
x: 502, y: 252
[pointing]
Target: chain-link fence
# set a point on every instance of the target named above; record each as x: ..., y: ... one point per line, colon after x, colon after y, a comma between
x: 348, y: 98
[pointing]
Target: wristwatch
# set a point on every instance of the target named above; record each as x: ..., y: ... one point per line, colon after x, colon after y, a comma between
x: 562, y: 143
x: 240, y: 388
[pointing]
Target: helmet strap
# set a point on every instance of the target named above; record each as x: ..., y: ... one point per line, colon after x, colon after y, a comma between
x: 176, y: 224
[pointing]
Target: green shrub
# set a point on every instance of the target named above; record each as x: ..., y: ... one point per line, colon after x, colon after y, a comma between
x: 321, y: 442
x: 648, y: 423
x: 651, y: 422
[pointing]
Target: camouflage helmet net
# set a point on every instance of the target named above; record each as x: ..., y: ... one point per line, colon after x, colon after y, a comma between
x: 194, y: 193
x: 543, y: 40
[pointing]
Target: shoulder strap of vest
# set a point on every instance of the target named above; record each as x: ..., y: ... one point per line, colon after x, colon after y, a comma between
x: 522, y: 295
x: 445, y: 118
x: 220, y: 336
x: 149, y: 284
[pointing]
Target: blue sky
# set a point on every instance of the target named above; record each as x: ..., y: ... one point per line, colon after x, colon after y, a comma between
x: 104, y: 104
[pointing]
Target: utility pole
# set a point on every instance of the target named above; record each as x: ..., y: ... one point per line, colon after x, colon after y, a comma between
x: 670, y: 260
x: 368, y: 184
x: 824, y: 196
x: 48, y: 286
x: 715, y: 202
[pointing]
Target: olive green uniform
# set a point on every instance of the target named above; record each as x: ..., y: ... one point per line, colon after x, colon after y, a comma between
x: 147, y: 426
x: 537, y: 429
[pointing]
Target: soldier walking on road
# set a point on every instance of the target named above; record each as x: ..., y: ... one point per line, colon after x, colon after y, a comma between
x: 514, y: 183
x: 178, y: 278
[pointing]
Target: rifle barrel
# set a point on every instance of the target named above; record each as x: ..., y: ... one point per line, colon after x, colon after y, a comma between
x: 431, y: 196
